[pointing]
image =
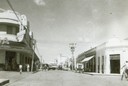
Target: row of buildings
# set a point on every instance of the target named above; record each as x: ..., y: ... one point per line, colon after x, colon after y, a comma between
x: 16, y: 42
x: 107, y: 58
x: 17, y: 47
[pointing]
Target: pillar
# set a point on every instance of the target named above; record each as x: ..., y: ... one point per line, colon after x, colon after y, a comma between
x: 18, y: 58
x: 96, y: 64
x: 107, y: 64
x: 2, y: 57
x: 100, y: 64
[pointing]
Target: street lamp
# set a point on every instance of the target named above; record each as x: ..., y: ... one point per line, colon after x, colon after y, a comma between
x: 72, y: 47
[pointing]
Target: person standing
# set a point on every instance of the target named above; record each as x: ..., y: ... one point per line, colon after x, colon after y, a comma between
x: 45, y: 67
x: 28, y: 67
x: 20, y: 68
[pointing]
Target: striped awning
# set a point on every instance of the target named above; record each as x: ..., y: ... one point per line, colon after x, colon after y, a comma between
x: 87, y: 59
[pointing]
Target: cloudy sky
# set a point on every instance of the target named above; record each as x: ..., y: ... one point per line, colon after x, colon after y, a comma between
x: 56, y: 23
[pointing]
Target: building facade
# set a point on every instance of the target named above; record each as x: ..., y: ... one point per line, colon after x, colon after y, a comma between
x: 16, y: 42
x: 107, y: 58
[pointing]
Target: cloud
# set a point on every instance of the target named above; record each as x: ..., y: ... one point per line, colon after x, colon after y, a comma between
x: 40, y: 2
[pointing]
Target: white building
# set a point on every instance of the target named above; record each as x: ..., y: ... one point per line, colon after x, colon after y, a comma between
x: 17, y: 46
x: 106, y: 58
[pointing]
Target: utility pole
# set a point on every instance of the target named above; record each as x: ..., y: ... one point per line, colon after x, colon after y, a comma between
x: 41, y: 62
x: 72, y: 47
x: 33, y: 53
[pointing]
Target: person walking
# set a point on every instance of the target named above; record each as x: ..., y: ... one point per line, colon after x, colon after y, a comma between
x: 125, y: 70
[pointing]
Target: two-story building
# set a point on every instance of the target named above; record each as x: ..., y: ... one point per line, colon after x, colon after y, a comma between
x: 16, y: 41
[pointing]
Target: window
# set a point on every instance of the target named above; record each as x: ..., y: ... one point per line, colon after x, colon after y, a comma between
x: 3, y: 28
x: 9, y: 28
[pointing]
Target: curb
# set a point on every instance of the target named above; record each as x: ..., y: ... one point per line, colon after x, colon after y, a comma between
x: 3, y: 81
x: 100, y: 74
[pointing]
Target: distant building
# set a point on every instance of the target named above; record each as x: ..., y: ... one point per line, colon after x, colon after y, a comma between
x: 107, y: 58
x: 63, y: 61
x: 16, y: 41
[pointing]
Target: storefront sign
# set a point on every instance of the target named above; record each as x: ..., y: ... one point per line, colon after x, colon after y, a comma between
x: 4, y: 41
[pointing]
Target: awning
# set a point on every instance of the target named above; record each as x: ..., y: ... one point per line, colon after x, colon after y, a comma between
x: 87, y: 59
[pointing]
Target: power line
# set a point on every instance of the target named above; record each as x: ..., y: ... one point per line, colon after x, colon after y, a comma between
x: 9, y: 3
x: 13, y: 10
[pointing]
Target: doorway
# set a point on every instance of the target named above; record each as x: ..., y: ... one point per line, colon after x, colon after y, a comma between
x: 10, y: 61
x: 115, y: 63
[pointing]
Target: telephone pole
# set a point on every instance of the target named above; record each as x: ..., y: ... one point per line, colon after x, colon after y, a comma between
x: 33, y: 53
x: 72, y: 47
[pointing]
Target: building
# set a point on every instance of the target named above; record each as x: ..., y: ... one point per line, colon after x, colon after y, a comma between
x: 107, y: 58
x: 16, y: 42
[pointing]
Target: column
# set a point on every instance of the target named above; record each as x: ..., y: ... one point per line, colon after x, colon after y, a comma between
x: 18, y: 58
x: 107, y: 64
x: 100, y: 64
x: 96, y: 59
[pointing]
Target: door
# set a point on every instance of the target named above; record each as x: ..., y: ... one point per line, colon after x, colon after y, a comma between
x: 10, y: 61
x: 115, y: 63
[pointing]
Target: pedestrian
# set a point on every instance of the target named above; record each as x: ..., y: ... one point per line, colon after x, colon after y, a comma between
x: 20, y: 68
x: 70, y: 67
x: 45, y: 67
x: 28, y: 67
x: 125, y: 70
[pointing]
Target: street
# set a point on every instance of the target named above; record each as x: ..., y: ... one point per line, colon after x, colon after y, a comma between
x: 68, y: 78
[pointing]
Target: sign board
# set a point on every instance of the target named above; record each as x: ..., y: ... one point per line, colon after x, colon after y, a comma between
x: 4, y: 41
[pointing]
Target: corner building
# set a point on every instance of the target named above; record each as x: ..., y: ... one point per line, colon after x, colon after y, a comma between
x: 107, y: 58
x: 16, y: 42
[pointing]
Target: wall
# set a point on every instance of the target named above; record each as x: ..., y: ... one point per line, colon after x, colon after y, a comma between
x: 116, y: 46
x: 100, y: 58
x: 122, y: 51
x: 2, y: 59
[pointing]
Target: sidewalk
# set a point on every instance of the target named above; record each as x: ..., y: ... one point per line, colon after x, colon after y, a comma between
x: 3, y: 81
x: 12, y: 76
x: 100, y: 74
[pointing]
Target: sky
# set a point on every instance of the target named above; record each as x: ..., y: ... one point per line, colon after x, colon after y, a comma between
x: 57, y: 23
